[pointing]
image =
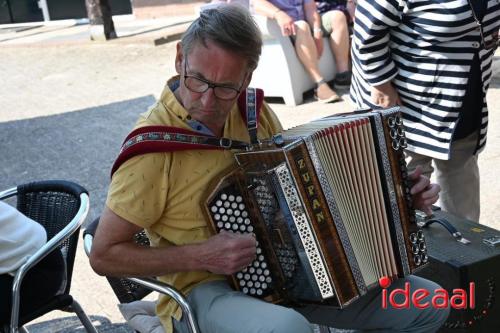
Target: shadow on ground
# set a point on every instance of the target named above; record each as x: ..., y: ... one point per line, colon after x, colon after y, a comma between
x: 73, y: 325
x: 80, y: 146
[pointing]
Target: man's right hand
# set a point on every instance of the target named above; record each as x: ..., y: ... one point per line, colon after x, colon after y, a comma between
x: 286, y: 23
x: 227, y: 252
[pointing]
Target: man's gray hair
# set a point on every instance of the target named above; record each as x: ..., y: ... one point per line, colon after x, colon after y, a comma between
x: 230, y: 27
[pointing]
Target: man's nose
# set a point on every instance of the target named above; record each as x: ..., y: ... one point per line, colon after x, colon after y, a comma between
x: 208, y: 98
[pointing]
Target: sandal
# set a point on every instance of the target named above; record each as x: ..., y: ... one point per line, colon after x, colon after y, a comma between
x: 330, y: 99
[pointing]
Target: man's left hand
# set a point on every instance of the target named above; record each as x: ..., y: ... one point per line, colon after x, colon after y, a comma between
x: 423, y: 191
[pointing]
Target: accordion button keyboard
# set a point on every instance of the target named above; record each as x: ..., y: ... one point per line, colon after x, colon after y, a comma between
x: 229, y: 212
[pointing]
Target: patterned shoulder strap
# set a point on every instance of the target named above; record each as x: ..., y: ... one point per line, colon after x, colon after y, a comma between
x: 154, y: 139
x: 250, y: 105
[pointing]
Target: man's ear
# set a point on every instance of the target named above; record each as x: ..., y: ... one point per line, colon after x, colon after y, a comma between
x: 178, y: 58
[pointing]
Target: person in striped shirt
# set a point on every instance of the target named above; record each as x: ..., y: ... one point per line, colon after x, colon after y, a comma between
x: 433, y: 59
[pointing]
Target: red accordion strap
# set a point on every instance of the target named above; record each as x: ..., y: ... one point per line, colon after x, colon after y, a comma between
x: 154, y: 139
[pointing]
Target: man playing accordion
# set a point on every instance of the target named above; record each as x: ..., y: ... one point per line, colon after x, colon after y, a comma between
x: 161, y: 191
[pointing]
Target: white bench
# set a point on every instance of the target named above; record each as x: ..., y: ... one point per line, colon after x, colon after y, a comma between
x: 280, y: 72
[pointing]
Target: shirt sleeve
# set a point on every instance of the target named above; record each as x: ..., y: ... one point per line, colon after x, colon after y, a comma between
x: 138, y: 189
x: 373, y: 23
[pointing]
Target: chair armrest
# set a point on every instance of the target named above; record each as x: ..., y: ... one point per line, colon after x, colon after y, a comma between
x: 169, y: 290
x: 8, y: 193
x: 149, y: 283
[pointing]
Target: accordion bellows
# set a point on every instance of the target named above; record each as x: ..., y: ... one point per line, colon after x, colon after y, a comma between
x: 330, y: 206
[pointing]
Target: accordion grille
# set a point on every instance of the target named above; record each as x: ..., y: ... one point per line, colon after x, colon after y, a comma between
x: 347, y: 154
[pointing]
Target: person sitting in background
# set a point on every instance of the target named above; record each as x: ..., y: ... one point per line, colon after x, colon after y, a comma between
x: 296, y: 19
x: 20, y: 238
x: 336, y: 16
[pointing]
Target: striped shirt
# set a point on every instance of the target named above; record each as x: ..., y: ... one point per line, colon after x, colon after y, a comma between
x: 426, y: 48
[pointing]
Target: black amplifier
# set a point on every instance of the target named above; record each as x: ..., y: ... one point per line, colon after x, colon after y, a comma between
x: 462, y: 252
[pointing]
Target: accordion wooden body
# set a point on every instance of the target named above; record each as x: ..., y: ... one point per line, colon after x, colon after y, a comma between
x: 329, y: 203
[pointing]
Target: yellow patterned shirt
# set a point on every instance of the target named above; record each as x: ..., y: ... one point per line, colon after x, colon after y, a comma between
x: 163, y: 192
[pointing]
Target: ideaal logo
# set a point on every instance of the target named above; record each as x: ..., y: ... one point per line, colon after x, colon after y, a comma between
x: 440, y: 299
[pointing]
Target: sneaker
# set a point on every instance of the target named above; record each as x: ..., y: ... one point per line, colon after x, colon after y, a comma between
x: 343, y: 79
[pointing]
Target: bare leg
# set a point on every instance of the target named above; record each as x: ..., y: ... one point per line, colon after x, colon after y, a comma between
x: 339, y: 40
x: 308, y: 55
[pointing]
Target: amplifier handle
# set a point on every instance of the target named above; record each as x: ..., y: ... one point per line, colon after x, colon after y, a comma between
x: 448, y: 226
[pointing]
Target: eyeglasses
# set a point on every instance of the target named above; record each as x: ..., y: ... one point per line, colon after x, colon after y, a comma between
x: 493, y: 42
x: 199, y: 85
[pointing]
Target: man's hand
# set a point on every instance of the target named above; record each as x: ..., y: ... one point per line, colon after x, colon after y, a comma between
x: 423, y: 191
x: 227, y: 252
x: 286, y: 23
x: 385, y: 95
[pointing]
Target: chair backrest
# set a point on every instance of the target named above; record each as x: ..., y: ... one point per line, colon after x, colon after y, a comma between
x: 125, y: 290
x: 53, y: 204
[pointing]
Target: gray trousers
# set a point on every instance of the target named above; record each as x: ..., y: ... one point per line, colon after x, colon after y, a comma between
x: 458, y: 177
x: 219, y: 309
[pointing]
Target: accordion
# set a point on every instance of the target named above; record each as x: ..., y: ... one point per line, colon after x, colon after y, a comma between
x: 329, y: 203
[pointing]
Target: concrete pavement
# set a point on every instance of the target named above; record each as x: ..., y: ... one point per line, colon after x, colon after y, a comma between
x: 66, y: 105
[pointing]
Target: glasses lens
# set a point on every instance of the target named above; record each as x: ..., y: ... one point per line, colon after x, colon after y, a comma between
x: 225, y: 92
x: 195, y: 85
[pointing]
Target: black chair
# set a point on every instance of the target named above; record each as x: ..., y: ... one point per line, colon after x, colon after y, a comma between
x: 130, y: 289
x: 61, y: 208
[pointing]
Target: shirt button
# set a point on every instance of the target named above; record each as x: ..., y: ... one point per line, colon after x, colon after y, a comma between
x: 475, y: 44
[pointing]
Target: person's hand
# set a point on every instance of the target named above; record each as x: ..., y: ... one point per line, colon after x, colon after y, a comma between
x: 385, y: 95
x: 286, y: 23
x: 423, y: 191
x: 318, y: 41
x: 227, y: 252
